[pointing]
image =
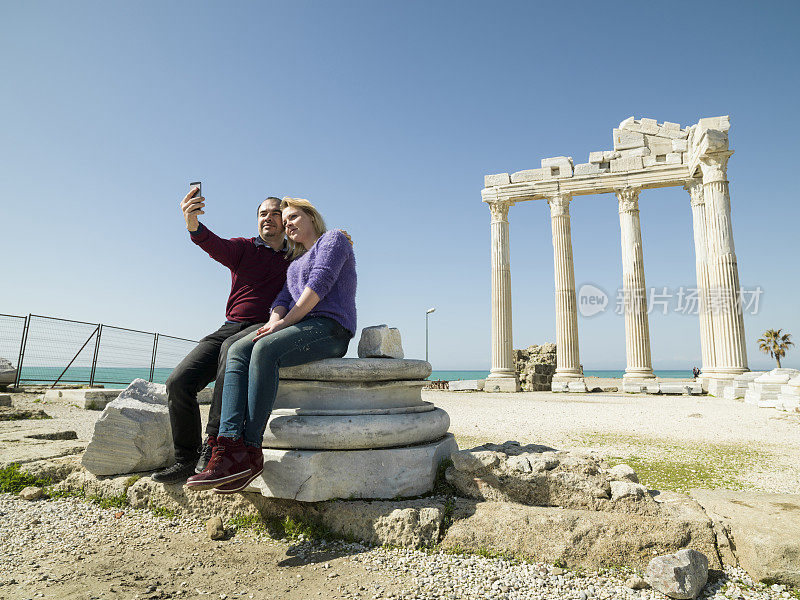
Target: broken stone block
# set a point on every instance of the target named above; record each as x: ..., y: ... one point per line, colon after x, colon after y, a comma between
x: 560, y: 166
x: 596, y: 157
x: 635, y: 152
x: 667, y: 126
x: 609, y: 155
x: 625, y: 140
x: 674, y: 158
x: 681, y: 575
x: 627, y: 123
x: 649, y: 161
x: 627, y: 164
x: 648, y: 126
x: 673, y: 134
x: 380, y: 341
x: 680, y: 145
x: 5, y: 399
x: 590, y: 169
x: 530, y: 175
x: 722, y: 123
x: 498, y: 179
x: 133, y: 433
x: 658, y: 145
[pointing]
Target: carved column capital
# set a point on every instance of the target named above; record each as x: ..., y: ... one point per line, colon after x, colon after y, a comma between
x: 628, y: 199
x: 499, y: 210
x: 714, y: 166
x: 695, y: 188
x: 559, y: 205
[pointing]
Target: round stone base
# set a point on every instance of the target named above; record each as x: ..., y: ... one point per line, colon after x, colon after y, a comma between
x: 415, y: 425
x: 318, y: 475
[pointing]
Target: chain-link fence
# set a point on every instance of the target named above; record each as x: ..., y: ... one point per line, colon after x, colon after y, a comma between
x: 45, y: 350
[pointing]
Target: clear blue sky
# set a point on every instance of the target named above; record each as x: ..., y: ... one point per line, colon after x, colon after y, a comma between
x: 386, y: 115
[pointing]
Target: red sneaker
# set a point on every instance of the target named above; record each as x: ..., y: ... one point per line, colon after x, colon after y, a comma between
x: 229, y: 462
x: 256, y: 456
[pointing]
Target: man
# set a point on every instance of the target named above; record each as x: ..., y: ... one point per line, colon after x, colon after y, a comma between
x: 258, y: 271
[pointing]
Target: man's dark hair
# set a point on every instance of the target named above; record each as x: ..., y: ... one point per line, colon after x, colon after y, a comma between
x: 265, y: 199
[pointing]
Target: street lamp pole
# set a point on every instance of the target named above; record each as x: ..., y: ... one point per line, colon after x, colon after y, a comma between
x: 429, y: 311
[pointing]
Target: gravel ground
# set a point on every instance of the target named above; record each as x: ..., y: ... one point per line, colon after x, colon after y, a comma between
x: 69, y: 548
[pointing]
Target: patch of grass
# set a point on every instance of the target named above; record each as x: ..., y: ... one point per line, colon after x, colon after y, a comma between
x: 131, y: 480
x: 253, y: 522
x: 13, y: 480
x: 296, y: 530
x: 56, y: 494
x: 17, y: 414
x: 120, y: 501
x: 162, y: 511
x: 666, y: 465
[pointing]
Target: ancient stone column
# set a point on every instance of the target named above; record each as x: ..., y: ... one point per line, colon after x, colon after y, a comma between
x: 568, y: 363
x: 637, y: 327
x: 730, y: 353
x: 697, y: 200
x: 503, y: 377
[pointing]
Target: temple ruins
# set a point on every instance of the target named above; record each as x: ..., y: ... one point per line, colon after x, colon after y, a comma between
x: 646, y: 154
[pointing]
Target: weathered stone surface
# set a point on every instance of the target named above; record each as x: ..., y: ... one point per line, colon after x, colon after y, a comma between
x: 380, y: 341
x: 133, y: 433
x: 674, y: 158
x: 90, y: 399
x: 215, y: 529
x: 580, y: 538
x: 410, y: 523
x: 594, y: 157
x: 359, y: 369
x: 679, y: 146
x: 740, y: 385
x: 632, y: 163
x: 497, y: 179
x: 541, y: 476
x: 8, y: 373
x: 288, y: 428
x: 765, y: 529
x: 623, y: 472
x: 535, y: 366
x: 659, y: 145
x: 624, y: 139
x: 31, y: 493
x: 531, y: 175
x: 331, y: 396
x: 591, y: 168
x: 5, y: 399
x: 560, y: 166
x: 634, y: 152
x: 462, y: 385
x: 383, y: 473
x: 680, y: 575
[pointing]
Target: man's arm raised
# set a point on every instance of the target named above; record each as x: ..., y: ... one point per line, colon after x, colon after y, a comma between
x: 225, y: 252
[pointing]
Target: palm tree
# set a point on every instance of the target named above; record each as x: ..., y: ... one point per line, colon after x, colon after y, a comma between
x: 775, y: 344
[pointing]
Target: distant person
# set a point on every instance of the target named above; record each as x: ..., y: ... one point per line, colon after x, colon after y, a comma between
x: 313, y: 317
x: 258, y: 272
x: 695, y: 372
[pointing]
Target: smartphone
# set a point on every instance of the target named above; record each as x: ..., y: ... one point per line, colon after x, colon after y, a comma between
x: 199, y: 186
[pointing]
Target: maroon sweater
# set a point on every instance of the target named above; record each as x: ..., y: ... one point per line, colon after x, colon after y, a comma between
x: 257, y: 273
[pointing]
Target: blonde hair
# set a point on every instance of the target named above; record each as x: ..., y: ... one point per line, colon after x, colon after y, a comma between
x: 296, y: 250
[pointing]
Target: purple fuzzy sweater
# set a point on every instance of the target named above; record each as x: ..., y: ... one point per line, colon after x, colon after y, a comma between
x: 329, y: 269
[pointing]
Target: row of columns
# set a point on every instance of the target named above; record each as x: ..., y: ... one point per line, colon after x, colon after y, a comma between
x: 721, y: 324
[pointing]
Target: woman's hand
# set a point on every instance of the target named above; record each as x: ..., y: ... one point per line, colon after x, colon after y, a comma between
x: 270, y: 327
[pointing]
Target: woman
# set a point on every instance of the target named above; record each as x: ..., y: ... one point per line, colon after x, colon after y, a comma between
x: 313, y: 317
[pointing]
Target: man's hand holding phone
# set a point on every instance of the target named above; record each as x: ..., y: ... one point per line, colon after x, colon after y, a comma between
x: 192, y: 206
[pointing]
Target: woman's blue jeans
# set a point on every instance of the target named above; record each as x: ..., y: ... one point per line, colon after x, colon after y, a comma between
x: 251, y: 373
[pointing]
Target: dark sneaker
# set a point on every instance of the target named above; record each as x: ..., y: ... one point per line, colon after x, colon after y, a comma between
x: 256, y: 456
x: 229, y: 462
x: 177, y: 473
x: 205, y: 454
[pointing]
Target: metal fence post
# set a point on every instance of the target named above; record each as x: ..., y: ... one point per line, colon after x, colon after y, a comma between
x: 153, y: 362
x: 22, y: 344
x: 96, y: 349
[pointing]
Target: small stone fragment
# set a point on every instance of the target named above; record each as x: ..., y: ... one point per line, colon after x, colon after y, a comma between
x: 380, y: 341
x: 626, y: 489
x: 636, y: 583
x: 31, y: 493
x: 5, y: 399
x: 215, y: 529
x: 498, y: 179
x: 623, y: 472
x: 681, y: 575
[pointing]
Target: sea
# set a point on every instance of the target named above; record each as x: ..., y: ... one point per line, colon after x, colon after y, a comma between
x: 120, y: 377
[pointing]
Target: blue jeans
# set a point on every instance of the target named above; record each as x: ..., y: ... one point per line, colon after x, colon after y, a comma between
x: 251, y: 373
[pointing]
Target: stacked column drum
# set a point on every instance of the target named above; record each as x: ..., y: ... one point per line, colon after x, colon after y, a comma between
x: 353, y: 428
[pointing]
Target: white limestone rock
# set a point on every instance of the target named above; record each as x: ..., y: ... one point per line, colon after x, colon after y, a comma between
x: 560, y: 166
x: 673, y: 134
x: 133, y: 433
x: 763, y: 390
x: 8, y: 373
x: 641, y: 126
x: 658, y: 145
x: 594, y: 157
x: 634, y: 152
x: 464, y: 385
x: 531, y: 175
x: 680, y: 145
x: 380, y: 341
x: 591, y: 168
x: 627, y: 489
x: 359, y: 369
x: 722, y: 123
x: 625, y: 140
x: 674, y: 158
x: 329, y: 397
x: 609, y: 155
x: 498, y: 179
x: 740, y: 385
x: 306, y: 475
x: 287, y: 428
x: 623, y: 472
x: 681, y: 575
x: 620, y: 165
